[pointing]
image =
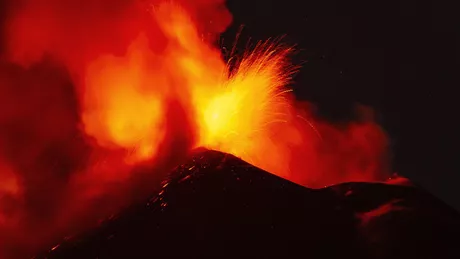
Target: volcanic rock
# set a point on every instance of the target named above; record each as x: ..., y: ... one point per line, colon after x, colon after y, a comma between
x: 219, y: 206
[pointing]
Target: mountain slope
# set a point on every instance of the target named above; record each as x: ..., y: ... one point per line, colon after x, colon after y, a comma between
x: 219, y: 206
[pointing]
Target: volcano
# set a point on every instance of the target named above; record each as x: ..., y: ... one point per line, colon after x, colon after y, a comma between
x: 217, y: 205
x: 100, y: 99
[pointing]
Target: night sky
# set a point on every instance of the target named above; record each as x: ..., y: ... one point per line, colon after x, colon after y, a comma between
x: 399, y: 59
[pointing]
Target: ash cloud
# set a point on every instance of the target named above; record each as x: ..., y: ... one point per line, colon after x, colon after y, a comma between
x: 48, y: 165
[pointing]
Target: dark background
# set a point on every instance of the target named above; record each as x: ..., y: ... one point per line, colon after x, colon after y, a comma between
x: 398, y: 57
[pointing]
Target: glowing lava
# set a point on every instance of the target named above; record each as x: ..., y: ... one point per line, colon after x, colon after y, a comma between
x: 245, y: 112
x: 248, y: 111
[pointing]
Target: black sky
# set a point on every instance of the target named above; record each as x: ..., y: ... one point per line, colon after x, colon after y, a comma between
x: 398, y: 57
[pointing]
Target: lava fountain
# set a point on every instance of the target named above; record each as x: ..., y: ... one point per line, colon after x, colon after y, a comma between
x: 248, y: 111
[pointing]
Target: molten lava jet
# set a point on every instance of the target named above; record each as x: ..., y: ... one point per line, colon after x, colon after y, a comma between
x: 248, y: 111
x: 93, y: 93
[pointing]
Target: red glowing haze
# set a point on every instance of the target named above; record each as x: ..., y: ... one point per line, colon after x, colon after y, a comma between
x: 99, y: 98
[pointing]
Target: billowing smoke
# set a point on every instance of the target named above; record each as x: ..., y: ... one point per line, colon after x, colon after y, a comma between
x: 100, y: 98
x: 51, y: 172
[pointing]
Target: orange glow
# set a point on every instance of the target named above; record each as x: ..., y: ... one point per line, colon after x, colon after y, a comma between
x: 122, y: 107
x: 246, y: 113
x: 249, y: 112
x: 98, y: 98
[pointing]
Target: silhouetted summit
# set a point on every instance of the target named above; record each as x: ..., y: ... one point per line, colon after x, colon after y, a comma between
x: 219, y: 206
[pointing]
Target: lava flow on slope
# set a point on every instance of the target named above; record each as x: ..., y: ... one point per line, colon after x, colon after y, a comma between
x: 100, y: 97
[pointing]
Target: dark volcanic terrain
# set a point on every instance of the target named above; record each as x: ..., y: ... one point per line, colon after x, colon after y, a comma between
x: 219, y: 206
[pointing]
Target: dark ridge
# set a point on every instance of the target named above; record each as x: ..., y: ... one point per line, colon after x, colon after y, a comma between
x: 218, y: 206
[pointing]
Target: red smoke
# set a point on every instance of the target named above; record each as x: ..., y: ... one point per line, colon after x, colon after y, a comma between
x: 69, y: 147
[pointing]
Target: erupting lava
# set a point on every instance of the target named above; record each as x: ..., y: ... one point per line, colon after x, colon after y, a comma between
x: 246, y: 112
x: 146, y: 83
